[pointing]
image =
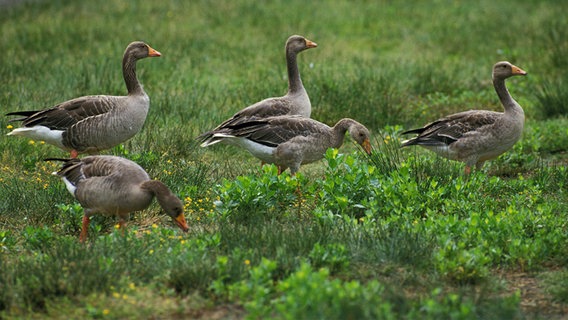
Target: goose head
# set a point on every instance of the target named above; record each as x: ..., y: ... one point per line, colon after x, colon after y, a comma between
x: 504, y: 69
x: 173, y: 207
x: 298, y: 43
x: 361, y: 135
x: 140, y: 50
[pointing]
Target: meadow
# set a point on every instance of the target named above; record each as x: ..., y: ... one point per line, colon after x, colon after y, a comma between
x: 400, y: 234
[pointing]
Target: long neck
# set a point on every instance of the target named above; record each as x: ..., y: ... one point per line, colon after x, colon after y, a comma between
x: 294, y: 81
x: 157, y: 188
x: 339, y: 132
x: 171, y: 204
x: 129, y: 73
x: 508, y: 102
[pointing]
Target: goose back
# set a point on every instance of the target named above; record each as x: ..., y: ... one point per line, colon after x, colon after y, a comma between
x: 106, y: 184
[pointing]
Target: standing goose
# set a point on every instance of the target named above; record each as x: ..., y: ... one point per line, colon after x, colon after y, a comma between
x: 93, y: 123
x: 476, y: 136
x: 295, y: 102
x: 110, y: 185
x: 290, y: 141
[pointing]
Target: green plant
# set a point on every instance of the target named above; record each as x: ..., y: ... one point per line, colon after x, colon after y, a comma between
x: 70, y: 217
x: 555, y: 283
x: 250, y: 197
x: 256, y: 292
x: 38, y: 238
x: 332, y: 256
x: 345, y: 187
x: 312, y: 293
x: 457, y: 263
x: 439, y: 304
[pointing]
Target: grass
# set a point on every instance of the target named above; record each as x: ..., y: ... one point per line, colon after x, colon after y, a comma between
x: 399, y: 234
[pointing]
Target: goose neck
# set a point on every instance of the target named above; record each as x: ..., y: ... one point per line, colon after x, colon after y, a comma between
x: 504, y: 96
x: 294, y: 80
x: 157, y: 188
x: 339, y: 131
x: 129, y: 72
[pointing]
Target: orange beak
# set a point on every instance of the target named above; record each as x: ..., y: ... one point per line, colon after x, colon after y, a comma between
x: 519, y: 71
x: 366, y: 146
x: 180, y: 221
x: 311, y: 44
x: 153, y: 53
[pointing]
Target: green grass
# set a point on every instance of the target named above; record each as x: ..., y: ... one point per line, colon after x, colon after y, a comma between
x: 398, y: 234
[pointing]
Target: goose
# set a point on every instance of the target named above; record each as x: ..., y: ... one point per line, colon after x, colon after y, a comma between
x: 476, y: 136
x: 295, y: 102
x: 111, y: 185
x: 90, y: 124
x: 289, y: 141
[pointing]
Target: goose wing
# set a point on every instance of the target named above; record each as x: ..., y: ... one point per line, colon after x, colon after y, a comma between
x: 449, y: 129
x: 68, y: 113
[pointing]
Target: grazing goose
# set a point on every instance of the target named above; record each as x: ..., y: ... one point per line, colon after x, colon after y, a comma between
x: 295, y: 102
x: 476, y: 136
x: 112, y: 185
x: 289, y: 141
x: 93, y: 123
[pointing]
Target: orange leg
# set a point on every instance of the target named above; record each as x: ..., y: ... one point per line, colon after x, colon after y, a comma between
x: 84, y: 229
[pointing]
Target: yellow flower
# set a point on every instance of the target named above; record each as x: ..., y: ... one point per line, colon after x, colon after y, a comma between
x: 106, y: 312
x: 117, y: 226
x: 151, y: 251
x: 9, y: 126
x: 116, y: 295
x: 247, y: 262
x: 31, y: 142
x: 132, y: 286
x: 154, y: 226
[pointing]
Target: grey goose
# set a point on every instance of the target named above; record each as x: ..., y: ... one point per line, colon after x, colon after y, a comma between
x: 90, y: 124
x: 111, y: 185
x: 476, y: 136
